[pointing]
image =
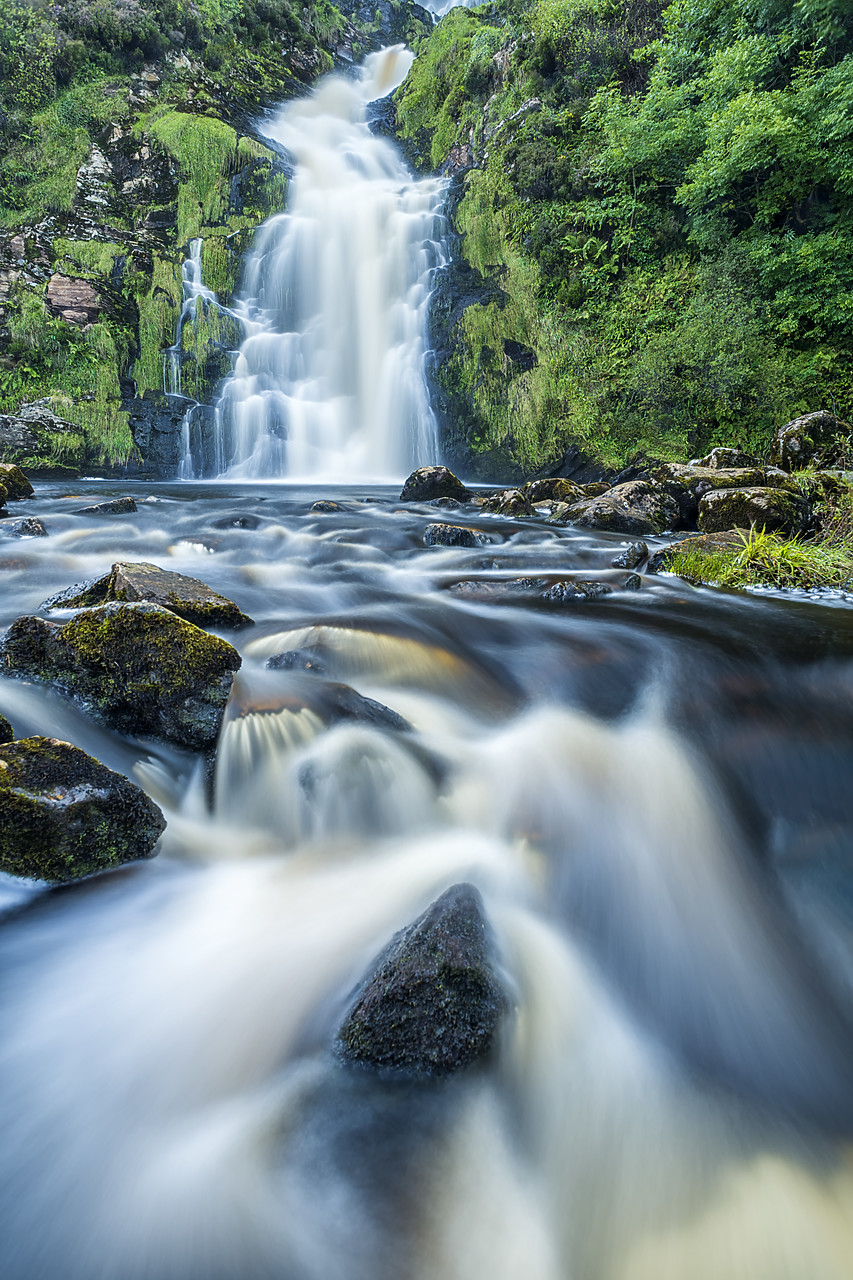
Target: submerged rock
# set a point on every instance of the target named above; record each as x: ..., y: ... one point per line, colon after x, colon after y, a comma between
x: 137, y: 667
x: 428, y: 483
x: 775, y: 510
x: 64, y: 815
x: 189, y: 598
x: 342, y: 702
x: 29, y: 527
x: 432, y: 1003
x: 523, y: 590
x: 114, y: 507
x: 451, y: 535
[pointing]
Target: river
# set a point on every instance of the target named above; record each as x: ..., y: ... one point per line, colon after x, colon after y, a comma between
x: 649, y: 790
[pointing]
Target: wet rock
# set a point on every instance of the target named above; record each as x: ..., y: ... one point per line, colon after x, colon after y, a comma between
x: 726, y: 542
x: 29, y: 527
x: 775, y: 510
x: 553, y: 489
x: 814, y: 439
x: 345, y: 703
x: 635, y: 507
x: 520, y: 590
x: 635, y: 553
x: 7, y: 733
x: 237, y: 522
x: 451, y: 535
x: 573, y: 590
x: 297, y: 660
x: 63, y: 815
x: 447, y: 504
x: 722, y: 459
x: 156, y: 420
x: 14, y: 482
x: 76, y: 302
x: 114, y: 507
x: 428, y: 483
x: 325, y: 505
x: 508, y: 502
x: 432, y: 1003
x: 137, y: 667
x: 189, y: 598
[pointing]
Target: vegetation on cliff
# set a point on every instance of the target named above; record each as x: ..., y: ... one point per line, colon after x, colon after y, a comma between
x: 657, y: 204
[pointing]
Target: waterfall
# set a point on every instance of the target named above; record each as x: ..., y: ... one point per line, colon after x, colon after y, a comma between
x: 329, y: 382
x: 192, y: 289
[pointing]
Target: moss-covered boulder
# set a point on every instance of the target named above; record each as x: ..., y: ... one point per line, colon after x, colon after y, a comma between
x: 702, y: 545
x: 7, y: 733
x: 432, y: 1003
x: 137, y: 667
x: 723, y: 459
x: 635, y: 507
x: 14, y: 481
x: 428, y: 483
x: 129, y: 582
x: 814, y: 439
x: 64, y: 815
x: 775, y: 510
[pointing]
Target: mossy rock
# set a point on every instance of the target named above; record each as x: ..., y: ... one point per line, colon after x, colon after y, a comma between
x: 427, y: 483
x: 451, y: 535
x: 63, y: 815
x: 7, y: 733
x: 137, y: 667
x: 432, y: 1003
x: 774, y: 510
x: 130, y: 583
x: 710, y: 545
x: 815, y: 438
x: 14, y: 482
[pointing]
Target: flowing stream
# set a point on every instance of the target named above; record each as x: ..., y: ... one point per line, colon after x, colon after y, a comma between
x: 329, y: 382
x: 651, y: 792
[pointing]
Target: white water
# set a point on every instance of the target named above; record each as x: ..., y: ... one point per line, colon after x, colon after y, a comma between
x: 193, y: 291
x: 329, y: 382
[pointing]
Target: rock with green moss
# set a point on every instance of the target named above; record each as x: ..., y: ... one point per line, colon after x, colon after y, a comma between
x: 7, y: 733
x: 432, y: 1003
x: 137, y: 667
x: 635, y: 507
x: 131, y: 583
x: 427, y: 483
x: 14, y: 481
x: 775, y: 510
x: 113, y: 507
x: 63, y: 815
x: 452, y: 535
x: 702, y: 545
x: 814, y: 439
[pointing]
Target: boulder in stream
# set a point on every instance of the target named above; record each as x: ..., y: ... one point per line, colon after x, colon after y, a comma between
x: 451, y: 535
x: 64, y: 815
x: 113, y: 507
x: 432, y: 1003
x: 189, y: 598
x: 635, y: 507
x: 428, y: 483
x: 758, y: 507
x: 14, y: 481
x: 137, y: 667
x: 28, y: 527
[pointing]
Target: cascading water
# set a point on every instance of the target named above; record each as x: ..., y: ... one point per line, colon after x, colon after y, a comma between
x: 329, y: 382
x: 193, y: 291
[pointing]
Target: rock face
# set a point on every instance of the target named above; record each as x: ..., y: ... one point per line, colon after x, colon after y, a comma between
x: 137, y: 667
x: 74, y: 301
x: 428, y: 483
x: 145, y: 583
x: 775, y: 510
x: 64, y: 815
x: 432, y: 1004
x: 814, y: 438
x: 451, y: 535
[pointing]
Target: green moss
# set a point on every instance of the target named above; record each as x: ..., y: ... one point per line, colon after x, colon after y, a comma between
x: 159, y: 309
x: 206, y: 150
x: 87, y: 257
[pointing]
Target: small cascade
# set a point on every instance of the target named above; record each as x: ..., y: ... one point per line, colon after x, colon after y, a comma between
x: 193, y: 290
x: 329, y: 382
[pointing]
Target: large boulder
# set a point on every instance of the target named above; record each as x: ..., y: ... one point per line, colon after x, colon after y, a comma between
x: 137, y: 667
x: 707, y: 545
x: 775, y: 510
x: 723, y: 459
x: 635, y: 507
x: 140, y: 582
x: 432, y: 1002
x: 28, y: 527
x: 428, y: 483
x: 14, y: 482
x: 451, y: 535
x: 64, y: 815
x: 814, y: 439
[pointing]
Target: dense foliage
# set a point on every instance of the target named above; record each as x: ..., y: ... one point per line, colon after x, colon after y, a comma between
x: 665, y: 197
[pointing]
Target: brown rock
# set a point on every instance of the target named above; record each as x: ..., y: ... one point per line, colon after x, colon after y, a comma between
x: 75, y: 301
x: 775, y: 510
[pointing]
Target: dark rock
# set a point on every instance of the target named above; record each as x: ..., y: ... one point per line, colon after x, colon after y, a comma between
x: 325, y: 505
x: 428, y: 483
x: 115, y: 507
x: 636, y: 507
x: 432, y: 1003
x: 146, y: 583
x: 64, y: 815
x: 451, y: 535
x: 237, y: 522
x: 14, y: 482
x: 446, y: 504
x: 344, y: 703
x: 553, y: 489
x: 775, y: 510
x: 156, y: 420
x: 29, y: 527
x: 726, y: 542
x: 7, y: 733
x: 580, y: 467
x: 298, y: 660
x: 573, y: 590
x: 814, y: 439
x: 508, y: 502
x: 635, y: 553
x: 721, y: 459
x: 523, y: 357
x: 523, y: 590
x: 137, y: 667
